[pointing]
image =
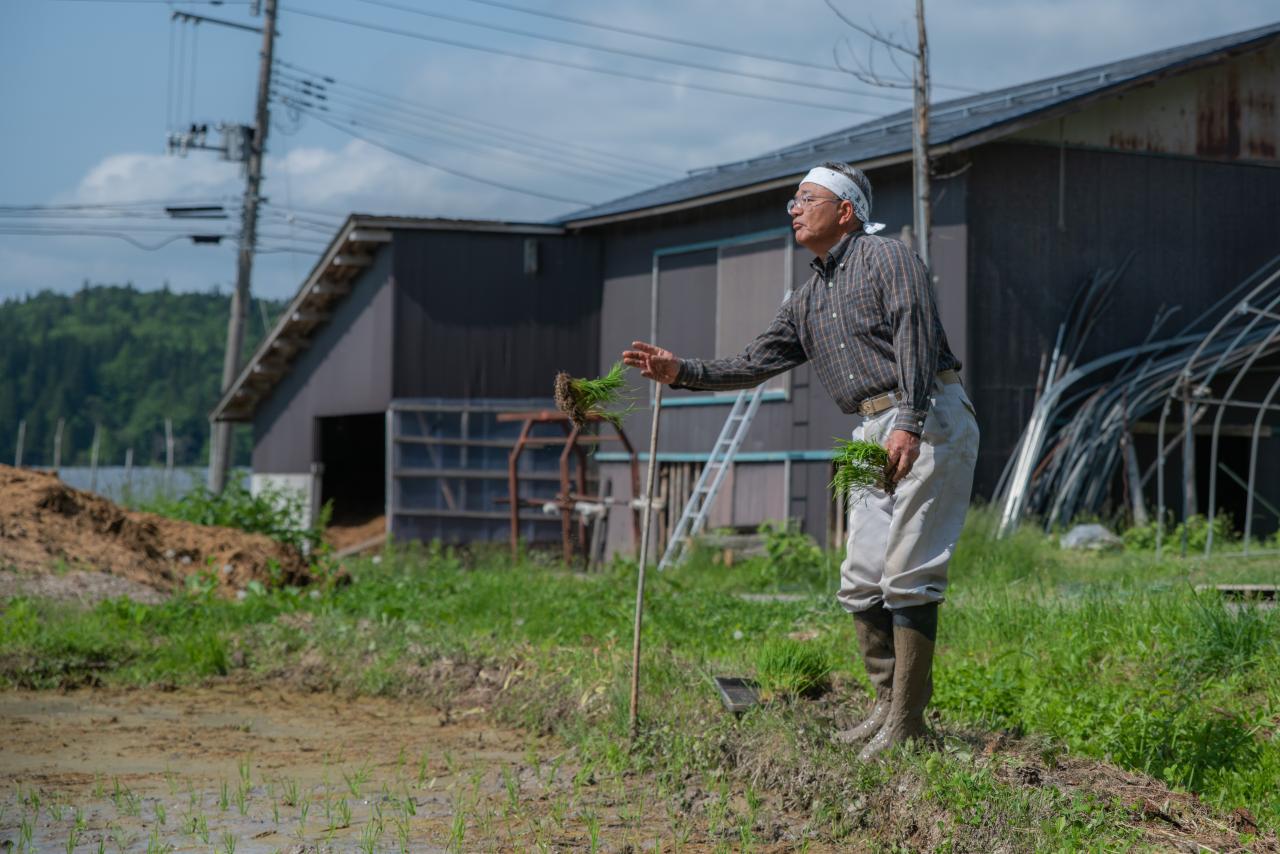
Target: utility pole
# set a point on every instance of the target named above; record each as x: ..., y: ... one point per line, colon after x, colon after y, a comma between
x: 920, y: 140
x: 864, y: 71
x: 220, y: 450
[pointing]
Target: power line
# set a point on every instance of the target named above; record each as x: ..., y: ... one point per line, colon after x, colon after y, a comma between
x: 799, y: 63
x: 629, y: 53
x: 150, y: 247
x: 574, y: 65
x: 458, y: 173
x: 373, y: 112
x: 657, y: 170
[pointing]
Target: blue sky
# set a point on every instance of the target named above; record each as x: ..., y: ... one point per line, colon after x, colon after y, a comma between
x: 88, y: 96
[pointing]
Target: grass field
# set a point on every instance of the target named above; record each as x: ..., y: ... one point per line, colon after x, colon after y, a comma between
x: 1056, y: 674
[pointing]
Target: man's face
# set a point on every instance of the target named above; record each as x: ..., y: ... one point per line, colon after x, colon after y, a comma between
x: 819, y: 219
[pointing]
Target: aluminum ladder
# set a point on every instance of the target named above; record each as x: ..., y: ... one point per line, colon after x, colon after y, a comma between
x: 694, y: 515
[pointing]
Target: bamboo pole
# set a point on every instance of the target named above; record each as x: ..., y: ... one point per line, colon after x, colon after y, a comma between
x: 644, y: 559
x: 22, y: 435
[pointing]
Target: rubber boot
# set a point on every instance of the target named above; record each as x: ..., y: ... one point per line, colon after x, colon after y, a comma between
x: 914, y: 631
x: 874, y: 629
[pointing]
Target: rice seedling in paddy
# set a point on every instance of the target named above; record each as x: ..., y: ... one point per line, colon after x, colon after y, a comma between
x: 859, y: 465
x: 581, y: 399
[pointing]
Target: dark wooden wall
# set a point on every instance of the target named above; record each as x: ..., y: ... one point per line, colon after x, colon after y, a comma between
x: 346, y: 370
x: 470, y: 323
x: 1196, y: 228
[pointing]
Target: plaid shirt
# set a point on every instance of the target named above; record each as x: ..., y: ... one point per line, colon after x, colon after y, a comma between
x: 867, y: 320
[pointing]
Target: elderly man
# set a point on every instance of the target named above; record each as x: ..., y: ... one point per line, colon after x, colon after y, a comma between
x: 868, y: 321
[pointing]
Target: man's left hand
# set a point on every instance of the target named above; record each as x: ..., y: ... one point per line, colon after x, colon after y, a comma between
x: 904, y: 448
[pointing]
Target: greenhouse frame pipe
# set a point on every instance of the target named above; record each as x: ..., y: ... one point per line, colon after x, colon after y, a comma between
x: 1253, y: 462
x: 1030, y: 450
x: 1217, y: 423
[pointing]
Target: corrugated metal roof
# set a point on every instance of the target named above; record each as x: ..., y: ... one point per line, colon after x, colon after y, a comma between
x: 972, y: 117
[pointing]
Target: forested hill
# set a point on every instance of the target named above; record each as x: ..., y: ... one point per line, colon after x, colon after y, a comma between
x: 122, y: 358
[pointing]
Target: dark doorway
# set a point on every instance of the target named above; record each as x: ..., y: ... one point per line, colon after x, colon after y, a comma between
x: 353, y: 451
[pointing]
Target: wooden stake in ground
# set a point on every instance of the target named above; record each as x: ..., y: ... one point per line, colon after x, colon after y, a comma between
x: 644, y: 559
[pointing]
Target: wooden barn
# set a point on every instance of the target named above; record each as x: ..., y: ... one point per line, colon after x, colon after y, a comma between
x: 377, y: 387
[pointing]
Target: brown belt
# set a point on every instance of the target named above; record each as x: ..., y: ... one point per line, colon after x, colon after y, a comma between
x: 888, y: 400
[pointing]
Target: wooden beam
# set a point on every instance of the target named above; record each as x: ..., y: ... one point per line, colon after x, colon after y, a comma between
x: 369, y: 235
x: 289, y: 346
x: 309, y: 316
x: 348, y: 260
x: 329, y: 288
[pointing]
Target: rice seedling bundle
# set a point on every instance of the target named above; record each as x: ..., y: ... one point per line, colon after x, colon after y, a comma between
x: 790, y: 668
x: 581, y: 399
x: 860, y: 466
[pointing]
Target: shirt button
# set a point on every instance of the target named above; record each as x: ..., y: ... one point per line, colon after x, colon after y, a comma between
x: 850, y: 376
x: 833, y: 314
x: 829, y: 284
x: 841, y: 345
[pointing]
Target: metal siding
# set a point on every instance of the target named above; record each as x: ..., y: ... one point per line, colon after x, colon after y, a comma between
x: 346, y: 370
x: 1225, y: 111
x: 470, y: 323
x: 1196, y: 227
x: 759, y: 493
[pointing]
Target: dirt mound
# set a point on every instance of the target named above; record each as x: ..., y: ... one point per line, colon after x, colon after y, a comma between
x: 46, y: 526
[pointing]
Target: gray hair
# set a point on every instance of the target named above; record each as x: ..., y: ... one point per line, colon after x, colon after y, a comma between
x: 857, y: 176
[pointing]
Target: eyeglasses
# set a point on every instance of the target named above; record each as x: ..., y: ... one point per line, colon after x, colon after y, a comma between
x: 801, y: 202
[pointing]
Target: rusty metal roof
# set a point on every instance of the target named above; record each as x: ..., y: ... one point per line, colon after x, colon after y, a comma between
x: 953, y: 125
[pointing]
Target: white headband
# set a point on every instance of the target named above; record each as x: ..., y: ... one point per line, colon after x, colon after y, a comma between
x: 844, y: 187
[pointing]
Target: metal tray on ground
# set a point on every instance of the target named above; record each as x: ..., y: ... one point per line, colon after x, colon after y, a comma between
x: 736, y: 693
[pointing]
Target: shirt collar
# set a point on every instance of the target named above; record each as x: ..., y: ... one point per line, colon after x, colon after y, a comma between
x: 826, y: 266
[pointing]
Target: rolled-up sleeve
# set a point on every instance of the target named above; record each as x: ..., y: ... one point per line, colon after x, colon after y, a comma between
x: 775, y: 350
x: 913, y: 318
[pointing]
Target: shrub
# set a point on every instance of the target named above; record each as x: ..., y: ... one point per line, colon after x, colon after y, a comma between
x: 1143, y: 537
x: 793, y: 557
x: 278, y: 513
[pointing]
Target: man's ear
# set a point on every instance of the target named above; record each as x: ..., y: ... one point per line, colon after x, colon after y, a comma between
x: 846, y: 212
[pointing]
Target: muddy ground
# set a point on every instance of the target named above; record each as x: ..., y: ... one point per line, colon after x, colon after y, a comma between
x: 232, y: 768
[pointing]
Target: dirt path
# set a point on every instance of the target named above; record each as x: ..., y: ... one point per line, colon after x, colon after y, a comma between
x: 235, y: 769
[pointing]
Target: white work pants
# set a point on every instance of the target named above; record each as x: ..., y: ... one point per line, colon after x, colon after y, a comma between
x: 900, y: 544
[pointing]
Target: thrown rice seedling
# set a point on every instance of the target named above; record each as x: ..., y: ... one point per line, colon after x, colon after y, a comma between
x: 581, y: 398
x: 860, y: 466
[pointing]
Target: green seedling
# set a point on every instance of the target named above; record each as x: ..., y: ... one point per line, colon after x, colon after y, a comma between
x: 228, y: 843
x: 242, y: 798
x: 290, y: 792
x: 224, y: 799
x: 582, y: 399
x: 458, y: 831
x: 160, y: 813
x: 593, y: 830
x: 422, y: 768
x: 860, y: 466
x: 356, y: 780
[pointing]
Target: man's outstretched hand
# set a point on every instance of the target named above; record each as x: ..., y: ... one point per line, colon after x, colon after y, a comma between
x: 654, y: 362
